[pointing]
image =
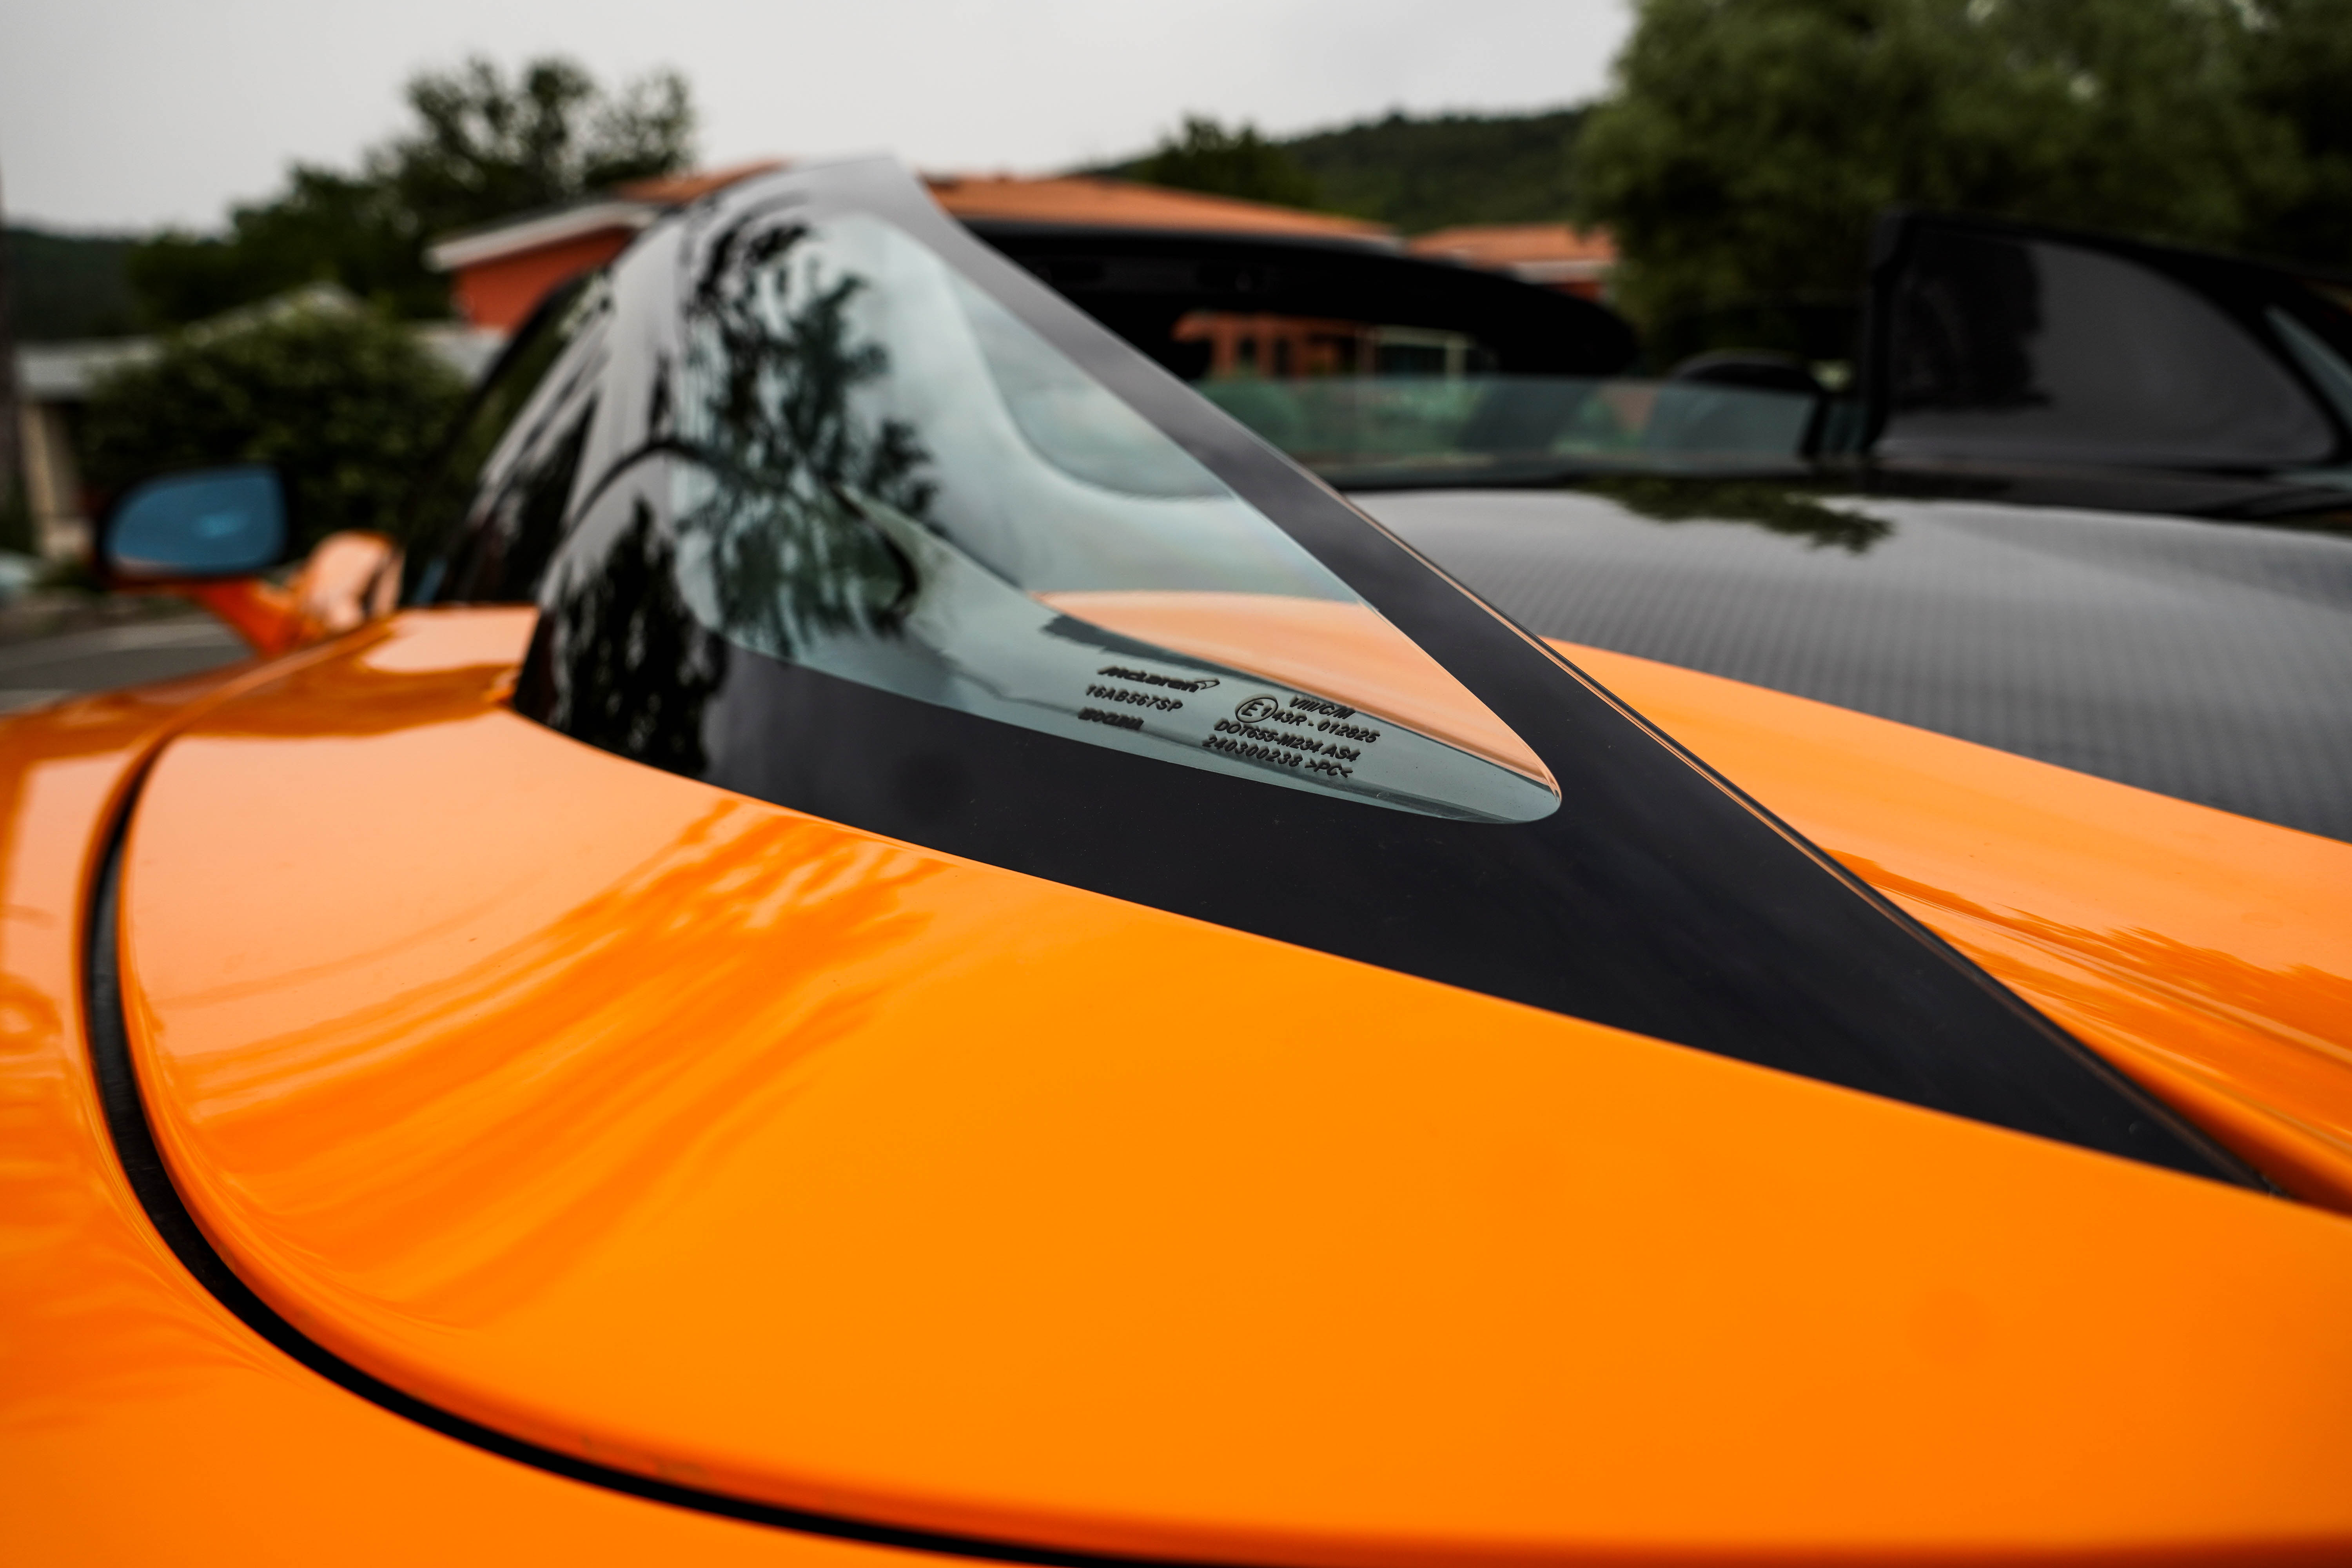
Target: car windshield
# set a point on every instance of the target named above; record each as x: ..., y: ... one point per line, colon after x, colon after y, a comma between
x: 1402, y: 428
x: 882, y: 474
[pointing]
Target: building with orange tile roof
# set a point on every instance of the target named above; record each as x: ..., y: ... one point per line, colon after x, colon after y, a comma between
x: 499, y: 273
x: 1576, y: 261
x: 1094, y: 200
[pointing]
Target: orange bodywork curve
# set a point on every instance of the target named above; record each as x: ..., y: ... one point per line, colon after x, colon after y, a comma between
x: 711, y: 1141
x: 140, y: 1421
x: 350, y: 578
x: 2209, y: 955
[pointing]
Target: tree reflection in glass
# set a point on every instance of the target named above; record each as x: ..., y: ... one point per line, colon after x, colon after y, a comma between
x: 765, y: 529
x: 619, y: 663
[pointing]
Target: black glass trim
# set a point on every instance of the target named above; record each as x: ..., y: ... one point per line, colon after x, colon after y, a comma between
x: 1657, y: 898
x: 150, y: 1181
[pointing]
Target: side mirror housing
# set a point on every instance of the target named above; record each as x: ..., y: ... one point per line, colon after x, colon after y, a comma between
x: 210, y: 534
x: 208, y: 526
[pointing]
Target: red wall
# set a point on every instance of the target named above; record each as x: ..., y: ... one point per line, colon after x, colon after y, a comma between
x: 500, y: 293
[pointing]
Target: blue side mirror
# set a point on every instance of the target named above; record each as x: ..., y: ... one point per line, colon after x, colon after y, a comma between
x: 210, y: 524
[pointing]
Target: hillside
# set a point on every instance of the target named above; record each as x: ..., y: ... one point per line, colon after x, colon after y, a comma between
x: 67, y: 285
x: 1434, y: 172
x: 1421, y: 174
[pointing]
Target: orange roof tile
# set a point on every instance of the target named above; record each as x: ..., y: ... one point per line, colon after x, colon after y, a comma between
x: 1513, y: 244
x: 677, y: 190
x: 1124, y: 204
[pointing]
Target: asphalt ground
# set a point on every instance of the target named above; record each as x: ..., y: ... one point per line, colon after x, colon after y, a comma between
x: 98, y: 658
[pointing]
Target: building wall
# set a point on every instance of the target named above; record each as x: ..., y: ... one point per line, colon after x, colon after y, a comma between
x: 53, y: 480
x: 501, y: 293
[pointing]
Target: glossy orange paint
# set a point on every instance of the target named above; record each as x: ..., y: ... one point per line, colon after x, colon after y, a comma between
x: 2209, y: 955
x: 720, y: 1143
x: 139, y: 1422
x: 350, y: 578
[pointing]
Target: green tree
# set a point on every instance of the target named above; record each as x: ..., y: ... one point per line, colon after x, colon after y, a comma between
x: 488, y: 147
x: 343, y: 399
x: 1206, y: 156
x: 2299, y: 70
x: 484, y: 146
x: 1750, y: 142
x: 324, y: 228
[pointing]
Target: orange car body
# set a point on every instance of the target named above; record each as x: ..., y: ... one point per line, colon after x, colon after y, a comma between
x: 433, y: 1133
x: 1039, y: 1235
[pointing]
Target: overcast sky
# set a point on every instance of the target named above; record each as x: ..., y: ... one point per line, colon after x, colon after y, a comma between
x: 120, y: 114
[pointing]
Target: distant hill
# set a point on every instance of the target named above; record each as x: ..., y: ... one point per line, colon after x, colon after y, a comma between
x: 1421, y: 174
x: 67, y: 285
x: 1434, y: 173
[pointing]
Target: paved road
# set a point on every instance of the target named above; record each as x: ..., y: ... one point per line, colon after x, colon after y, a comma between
x: 48, y: 667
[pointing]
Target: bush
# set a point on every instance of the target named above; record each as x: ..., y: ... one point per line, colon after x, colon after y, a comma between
x: 344, y: 401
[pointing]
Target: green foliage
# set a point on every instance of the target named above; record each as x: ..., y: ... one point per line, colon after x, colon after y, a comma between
x: 1206, y: 156
x: 2299, y: 71
x: 488, y: 147
x: 1423, y: 175
x: 16, y: 531
x: 343, y: 400
x: 1417, y: 174
x: 66, y: 286
x: 484, y: 147
x: 324, y: 227
x: 1750, y: 142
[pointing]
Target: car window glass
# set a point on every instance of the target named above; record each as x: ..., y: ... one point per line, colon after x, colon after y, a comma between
x: 881, y: 474
x: 2323, y: 364
x: 2035, y: 351
x: 518, y: 523
x: 511, y: 426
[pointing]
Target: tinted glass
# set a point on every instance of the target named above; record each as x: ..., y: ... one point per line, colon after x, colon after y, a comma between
x: 515, y: 525
x: 2032, y: 350
x: 513, y: 457
x: 1405, y: 430
x: 2324, y: 366
x: 880, y: 473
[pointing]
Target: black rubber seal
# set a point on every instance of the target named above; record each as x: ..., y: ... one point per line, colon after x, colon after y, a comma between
x: 151, y: 1180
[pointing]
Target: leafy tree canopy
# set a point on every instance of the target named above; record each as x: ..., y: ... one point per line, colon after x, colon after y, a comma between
x: 483, y: 146
x: 1206, y: 156
x: 2299, y: 73
x: 1750, y: 142
x: 342, y: 398
x: 67, y: 285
